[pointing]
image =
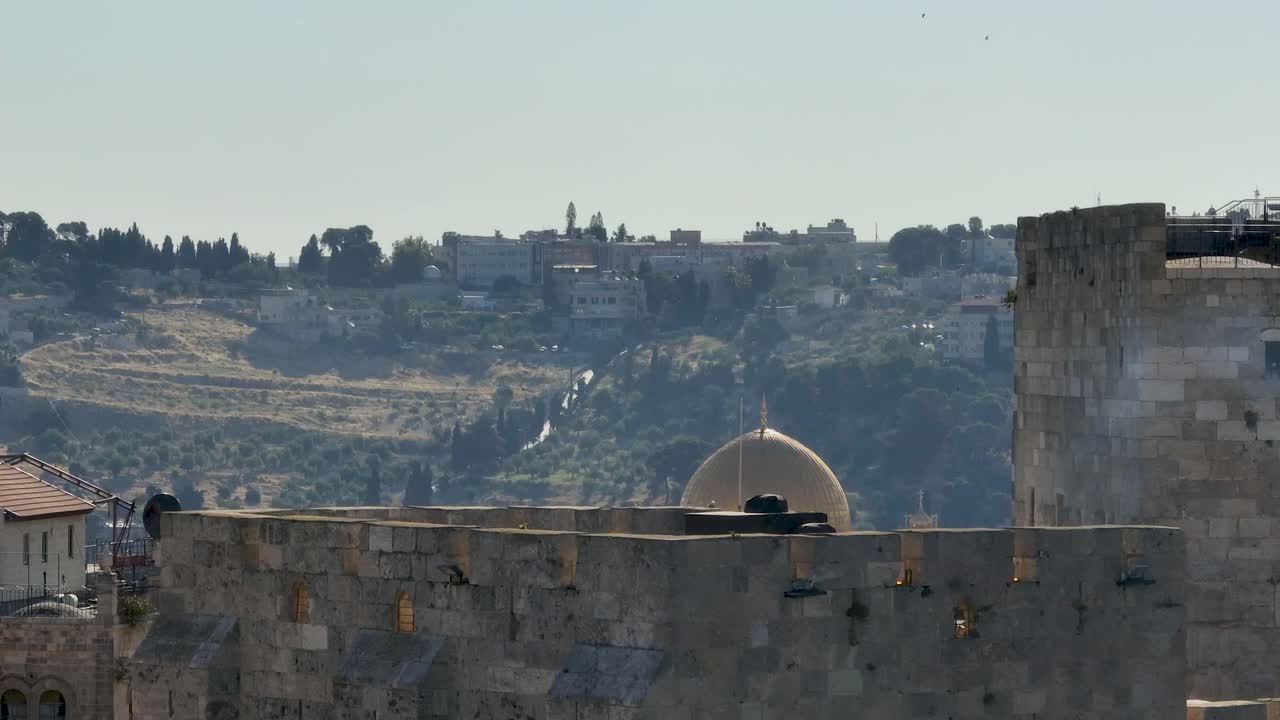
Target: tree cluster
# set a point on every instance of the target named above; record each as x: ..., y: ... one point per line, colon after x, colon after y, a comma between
x: 917, y: 249
x: 354, y: 259
x: 86, y: 261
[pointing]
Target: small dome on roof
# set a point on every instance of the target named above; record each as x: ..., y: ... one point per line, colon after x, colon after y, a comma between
x: 771, y: 462
x: 431, y: 272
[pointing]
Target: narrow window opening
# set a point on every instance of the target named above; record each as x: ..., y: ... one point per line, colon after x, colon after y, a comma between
x: 404, y: 613
x: 71, y: 541
x: 26, y: 548
x: 1060, y: 509
x: 1032, y: 515
x: 1272, y: 356
x: 44, y: 546
x: 300, y: 603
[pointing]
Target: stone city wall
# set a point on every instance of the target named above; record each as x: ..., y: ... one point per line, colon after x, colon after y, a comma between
x: 565, y: 518
x: 541, y: 624
x: 1142, y: 397
x: 74, y: 656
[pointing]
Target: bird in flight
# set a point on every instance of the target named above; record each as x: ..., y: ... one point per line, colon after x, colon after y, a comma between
x: 987, y: 37
x: 921, y: 16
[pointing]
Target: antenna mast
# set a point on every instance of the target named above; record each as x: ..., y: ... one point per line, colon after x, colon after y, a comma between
x: 740, y: 433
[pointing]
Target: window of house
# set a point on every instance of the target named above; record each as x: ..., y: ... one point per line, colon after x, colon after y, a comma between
x: 1272, y: 357
x: 26, y: 548
x: 300, y: 603
x: 404, y: 613
x: 13, y: 705
x: 44, y: 546
x: 52, y: 706
x: 71, y: 541
x: 595, y: 301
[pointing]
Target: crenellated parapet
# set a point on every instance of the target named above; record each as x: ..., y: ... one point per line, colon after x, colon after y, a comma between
x: 510, y: 621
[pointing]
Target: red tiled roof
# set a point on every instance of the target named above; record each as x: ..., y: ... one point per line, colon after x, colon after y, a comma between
x: 26, y: 496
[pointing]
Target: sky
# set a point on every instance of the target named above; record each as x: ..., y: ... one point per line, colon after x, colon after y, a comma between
x: 279, y: 119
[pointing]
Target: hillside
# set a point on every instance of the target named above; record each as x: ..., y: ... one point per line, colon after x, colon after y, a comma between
x: 886, y: 414
x: 192, y: 363
x: 225, y: 414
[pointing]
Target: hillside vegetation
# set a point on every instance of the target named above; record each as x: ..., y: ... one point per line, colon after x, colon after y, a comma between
x: 192, y: 363
x: 887, y: 416
x: 222, y: 413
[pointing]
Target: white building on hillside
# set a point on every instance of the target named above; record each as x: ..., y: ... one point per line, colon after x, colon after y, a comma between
x: 477, y: 261
x: 41, y: 533
x: 835, y: 231
x: 993, y: 252
x: 298, y: 315
x: 602, y: 307
x: 829, y: 296
x: 964, y: 328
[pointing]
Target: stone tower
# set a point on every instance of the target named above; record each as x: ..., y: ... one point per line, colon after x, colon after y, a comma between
x: 1145, y: 354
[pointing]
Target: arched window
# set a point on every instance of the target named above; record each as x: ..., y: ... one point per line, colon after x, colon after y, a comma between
x: 52, y: 706
x: 13, y: 705
x: 404, y: 613
x: 300, y: 606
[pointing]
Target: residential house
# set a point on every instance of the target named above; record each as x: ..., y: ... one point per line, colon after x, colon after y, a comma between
x: 964, y: 329
x: 42, y: 533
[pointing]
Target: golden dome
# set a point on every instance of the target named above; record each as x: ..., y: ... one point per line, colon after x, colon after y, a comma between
x: 771, y: 463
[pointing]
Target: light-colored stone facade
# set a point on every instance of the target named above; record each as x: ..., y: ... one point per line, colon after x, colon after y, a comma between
x: 74, y: 657
x: 608, y: 613
x: 1143, y: 397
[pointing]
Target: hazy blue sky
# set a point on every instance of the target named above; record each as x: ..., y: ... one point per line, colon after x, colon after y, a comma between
x: 280, y: 118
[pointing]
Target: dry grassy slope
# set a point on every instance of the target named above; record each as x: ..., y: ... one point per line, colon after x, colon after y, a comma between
x: 202, y: 365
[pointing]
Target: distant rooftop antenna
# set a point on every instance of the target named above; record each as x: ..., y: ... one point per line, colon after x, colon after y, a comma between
x: 1257, y: 193
x: 740, y: 433
x: 1099, y: 199
x: 877, y: 231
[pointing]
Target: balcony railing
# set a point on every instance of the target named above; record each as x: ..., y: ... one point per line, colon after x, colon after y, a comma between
x: 47, y: 601
x: 1206, y: 237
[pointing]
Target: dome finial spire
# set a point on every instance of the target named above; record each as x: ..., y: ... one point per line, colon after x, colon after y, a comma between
x: 764, y: 413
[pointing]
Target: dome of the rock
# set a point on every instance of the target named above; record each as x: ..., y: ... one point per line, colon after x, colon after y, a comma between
x: 771, y: 462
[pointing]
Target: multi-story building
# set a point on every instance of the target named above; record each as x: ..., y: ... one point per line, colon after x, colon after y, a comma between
x: 558, y: 285
x: 686, y: 237
x: 964, y: 329
x: 626, y: 257
x: 557, y: 253
x: 835, y: 231
x: 476, y: 261
x: 991, y: 251
x: 602, y: 307
x: 735, y: 254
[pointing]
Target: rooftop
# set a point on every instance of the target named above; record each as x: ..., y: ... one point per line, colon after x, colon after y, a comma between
x: 25, y: 496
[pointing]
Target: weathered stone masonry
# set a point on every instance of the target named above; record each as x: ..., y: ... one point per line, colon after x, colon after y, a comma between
x: 569, y: 617
x: 73, y: 656
x: 1142, y: 397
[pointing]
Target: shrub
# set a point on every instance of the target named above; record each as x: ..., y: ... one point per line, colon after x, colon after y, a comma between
x: 133, y: 609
